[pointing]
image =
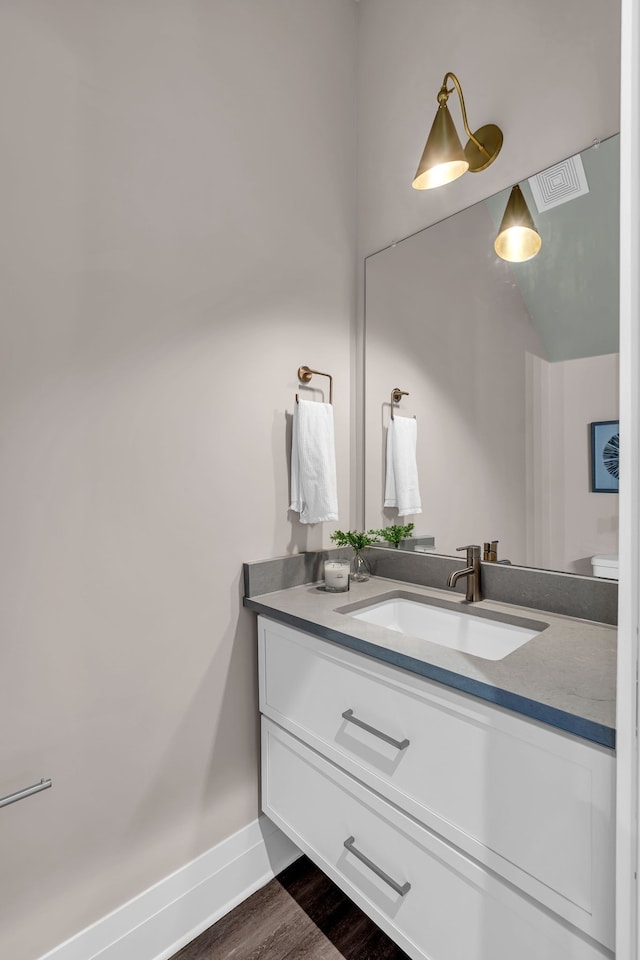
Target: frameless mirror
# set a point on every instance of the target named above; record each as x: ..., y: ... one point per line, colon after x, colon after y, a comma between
x: 506, y: 366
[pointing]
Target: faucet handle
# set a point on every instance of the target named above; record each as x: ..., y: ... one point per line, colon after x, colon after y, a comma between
x: 473, y: 551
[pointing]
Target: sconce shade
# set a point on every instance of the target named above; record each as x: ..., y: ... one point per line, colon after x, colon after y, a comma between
x: 443, y: 159
x: 517, y: 240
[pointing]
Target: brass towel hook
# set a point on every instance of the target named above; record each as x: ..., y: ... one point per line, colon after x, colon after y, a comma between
x: 396, y: 393
x: 304, y: 376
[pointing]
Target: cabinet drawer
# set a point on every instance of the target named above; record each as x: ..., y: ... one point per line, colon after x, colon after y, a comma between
x: 433, y: 901
x: 533, y: 804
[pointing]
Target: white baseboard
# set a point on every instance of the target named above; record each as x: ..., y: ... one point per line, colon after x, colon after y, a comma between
x: 161, y: 920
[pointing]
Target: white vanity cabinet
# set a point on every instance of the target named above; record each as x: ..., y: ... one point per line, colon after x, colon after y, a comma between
x: 471, y: 832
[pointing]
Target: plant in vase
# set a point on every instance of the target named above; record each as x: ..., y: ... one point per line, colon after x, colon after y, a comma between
x: 395, y: 534
x: 357, y: 540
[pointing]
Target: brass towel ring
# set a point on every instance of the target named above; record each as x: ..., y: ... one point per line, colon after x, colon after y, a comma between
x: 304, y: 376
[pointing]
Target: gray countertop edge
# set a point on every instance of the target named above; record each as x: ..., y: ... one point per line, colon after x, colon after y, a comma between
x: 552, y: 716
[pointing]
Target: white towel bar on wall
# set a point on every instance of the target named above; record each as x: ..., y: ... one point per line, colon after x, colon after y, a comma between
x: 27, y: 792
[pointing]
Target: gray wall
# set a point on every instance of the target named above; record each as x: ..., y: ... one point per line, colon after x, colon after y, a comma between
x: 178, y: 230
x: 178, y: 209
x: 546, y: 72
x: 454, y: 331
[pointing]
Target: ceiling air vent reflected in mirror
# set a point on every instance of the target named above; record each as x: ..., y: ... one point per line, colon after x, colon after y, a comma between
x: 558, y: 184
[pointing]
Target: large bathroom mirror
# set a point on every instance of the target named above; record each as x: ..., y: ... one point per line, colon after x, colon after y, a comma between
x: 506, y: 366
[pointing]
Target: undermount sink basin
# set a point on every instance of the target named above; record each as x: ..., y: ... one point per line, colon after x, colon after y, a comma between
x: 483, y: 633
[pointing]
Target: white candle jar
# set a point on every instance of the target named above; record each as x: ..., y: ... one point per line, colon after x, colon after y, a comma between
x: 336, y: 576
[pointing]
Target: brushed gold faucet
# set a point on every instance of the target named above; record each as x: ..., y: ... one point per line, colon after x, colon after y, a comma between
x: 471, y: 572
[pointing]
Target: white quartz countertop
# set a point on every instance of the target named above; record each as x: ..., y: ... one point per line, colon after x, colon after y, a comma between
x: 565, y: 676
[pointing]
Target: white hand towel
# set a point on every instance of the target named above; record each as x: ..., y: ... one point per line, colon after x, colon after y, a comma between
x: 314, y: 488
x: 401, y: 489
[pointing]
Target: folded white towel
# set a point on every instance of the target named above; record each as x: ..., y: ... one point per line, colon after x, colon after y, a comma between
x: 401, y: 489
x: 314, y: 488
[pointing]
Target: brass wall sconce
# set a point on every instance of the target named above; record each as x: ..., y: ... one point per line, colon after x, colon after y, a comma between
x: 517, y: 240
x: 443, y: 159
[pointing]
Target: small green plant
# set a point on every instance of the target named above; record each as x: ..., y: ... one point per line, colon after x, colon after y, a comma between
x: 357, y: 539
x: 394, y: 534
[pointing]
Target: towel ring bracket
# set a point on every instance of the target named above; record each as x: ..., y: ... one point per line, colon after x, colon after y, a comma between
x: 396, y: 394
x: 305, y: 373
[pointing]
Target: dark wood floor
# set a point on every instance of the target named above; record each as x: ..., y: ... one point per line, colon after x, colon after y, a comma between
x: 301, y: 915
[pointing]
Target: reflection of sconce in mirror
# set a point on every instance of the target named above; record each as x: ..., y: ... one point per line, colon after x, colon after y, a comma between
x: 444, y: 159
x: 517, y: 240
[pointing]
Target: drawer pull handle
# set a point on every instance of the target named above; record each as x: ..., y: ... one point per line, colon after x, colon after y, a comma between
x: 399, y: 744
x: 402, y: 890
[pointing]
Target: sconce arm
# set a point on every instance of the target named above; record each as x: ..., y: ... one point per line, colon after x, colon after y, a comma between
x: 443, y: 96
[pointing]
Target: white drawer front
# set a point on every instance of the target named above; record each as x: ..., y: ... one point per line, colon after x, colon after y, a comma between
x: 535, y: 805
x: 453, y: 909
